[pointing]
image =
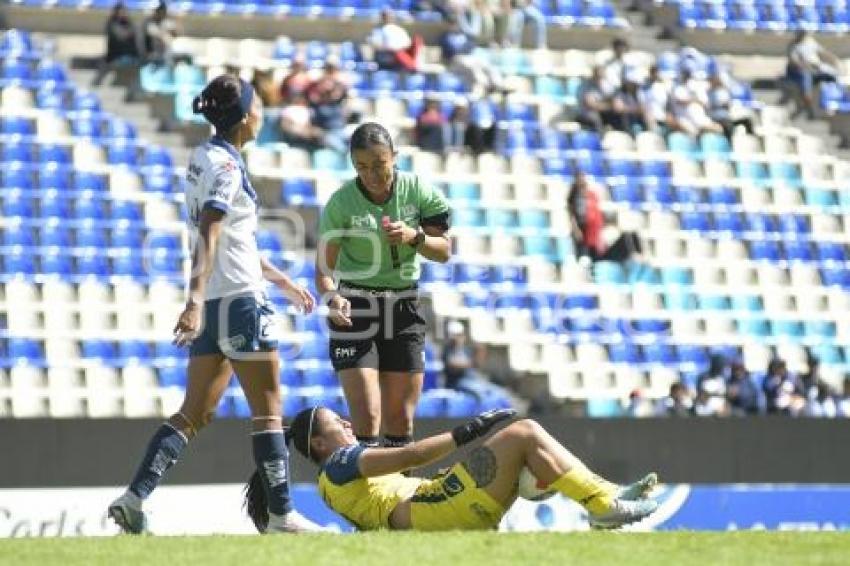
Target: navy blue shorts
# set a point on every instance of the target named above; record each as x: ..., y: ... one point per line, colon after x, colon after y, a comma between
x: 235, y: 325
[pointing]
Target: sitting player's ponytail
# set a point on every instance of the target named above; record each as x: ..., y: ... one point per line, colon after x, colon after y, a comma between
x: 303, y: 427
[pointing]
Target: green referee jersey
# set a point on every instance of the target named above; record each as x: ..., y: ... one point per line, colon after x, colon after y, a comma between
x: 353, y: 222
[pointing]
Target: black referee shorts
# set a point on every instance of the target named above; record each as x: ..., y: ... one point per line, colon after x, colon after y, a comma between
x: 387, y: 332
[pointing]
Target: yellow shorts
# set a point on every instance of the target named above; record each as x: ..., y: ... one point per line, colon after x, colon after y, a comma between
x: 453, y: 502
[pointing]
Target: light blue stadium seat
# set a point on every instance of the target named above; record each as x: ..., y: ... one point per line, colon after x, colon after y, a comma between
x: 608, y: 272
x: 678, y: 142
x: 501, y: 219
x: 714, y: 302
x: 679, y: 300
x: 329, y: 160
x: 787, y: 328
x: 538, y: 246
x: 551, y: 87
x: 468, y: 218
x: 459, y: 191
x: 676, y: 276
x: 824, y: 198
x: 821, y: 329
x: 753, y: 171
x: 604, y: 407
x: 533, y: 218
x: 714, y: 145
x: 752, y: 303
x: 757, y: 327
x: 828, y: 354
x: 157, y: 78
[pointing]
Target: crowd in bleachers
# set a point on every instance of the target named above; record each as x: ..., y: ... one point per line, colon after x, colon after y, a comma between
x: 727, y: 388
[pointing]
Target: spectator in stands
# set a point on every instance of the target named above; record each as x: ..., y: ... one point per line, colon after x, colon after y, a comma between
x: 522, y: 12
x: 458, y: 54
x: 677, y: 403
x: 809, y: 64
x: 160, y: 32
x: 822, y: 404
x: 626, y: 107
x: 394, y: 48
x: 484, y: 20
x: 296, y: 81
x: 122, y: 44
x: 705, y: 406
x: 296, y: 125
x: 654, y: 99
x: 432, y: 129
x: 587, y: 224
x: 711, y: 387
x: 478, y: 130
x: 844, y: 399
x: 614, y: 69
x: 265, y: 87
x: 327, y: 97
x: 782, y: 390
x: 463, y: 362
x: 741, y: 393
x: 725, y: 111
x: 688, y: 105
x: 595, y: 111
x: 639, y: 406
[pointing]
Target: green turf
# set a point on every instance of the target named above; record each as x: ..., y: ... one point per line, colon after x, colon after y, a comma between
x: 446, y: 549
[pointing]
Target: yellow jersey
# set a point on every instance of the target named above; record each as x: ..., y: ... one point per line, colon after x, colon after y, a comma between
x: 365, y: 502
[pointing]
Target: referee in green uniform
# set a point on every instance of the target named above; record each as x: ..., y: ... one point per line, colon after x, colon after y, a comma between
x: 371, y: 232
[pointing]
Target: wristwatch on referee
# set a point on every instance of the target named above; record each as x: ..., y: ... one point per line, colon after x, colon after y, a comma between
x: 418, y: 239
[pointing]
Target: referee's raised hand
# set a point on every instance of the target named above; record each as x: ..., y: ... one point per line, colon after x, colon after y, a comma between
x: 339, y: 310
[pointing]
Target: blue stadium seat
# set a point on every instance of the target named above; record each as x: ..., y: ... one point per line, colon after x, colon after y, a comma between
x: 56, y: 261
x: 794, y: 224
x: 163, y: 262
x: 54, y: 233
x: 831, y: 251
x: 15, y: 234
x: 17, y: 153
x: 660, y: 353
x: 121, y: 153
x: 797, y: 250
x: 126, y: 210
x: 15, y: 69
x: 729, y: 222
x: 54, y: 176
x: 834, y: 277
x: 624, y: 353
x: 319, y: 376
x: 167, y: 354
x: 313, y: 349
x: 93, y: 262
x: 163, y: 240
x: 689, y: 195
x: 17, y: 126
x: 695, y: 221
x: 89, y: 181
x: 696, y: 355
x: 268, y: 240
x: 472, y: 273
x: 84, y: 100
x: 430, y: 405
x: 127, y: 262
x: 118, y: 128
x: 761, y: 223
x: 657, y: 169
x: 134, y: 351
x: 172, y: 376
x: 103, y: 350
x: 436, y: 272
x: 298, y: 192
x: 722, y: 196
x: 25, y: 351
x: 127, y: 237
x: 156, y: 156
x: 87, y: 207
x: 49, y: 153
x: 765, y: 250
x: 17, y: 175
x: 584, y: 140
x: 18, y: 203
x: 460, y: 405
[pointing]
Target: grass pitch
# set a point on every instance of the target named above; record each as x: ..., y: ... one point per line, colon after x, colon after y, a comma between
x: 443, y: 549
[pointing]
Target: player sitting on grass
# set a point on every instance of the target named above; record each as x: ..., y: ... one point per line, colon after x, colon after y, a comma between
x: 366, y: 486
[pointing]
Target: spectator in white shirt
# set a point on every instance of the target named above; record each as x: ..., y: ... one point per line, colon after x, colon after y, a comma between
x: 809, y: 64
x: 726, y: 111
x: 688, y: 108
x: 655, y: 98
x: 394, y: 48
x: 844, y: 399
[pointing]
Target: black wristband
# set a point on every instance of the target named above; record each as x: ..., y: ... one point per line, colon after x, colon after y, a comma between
x: 464, y: 434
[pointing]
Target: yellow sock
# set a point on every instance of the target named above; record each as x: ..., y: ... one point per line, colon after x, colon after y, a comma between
x: 580, y: 484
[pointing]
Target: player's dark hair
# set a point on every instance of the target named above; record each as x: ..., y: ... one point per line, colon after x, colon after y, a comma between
x: 223, y: 102
x: 370, y: 134
x: 304, y: 426
x: 256, y: 503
